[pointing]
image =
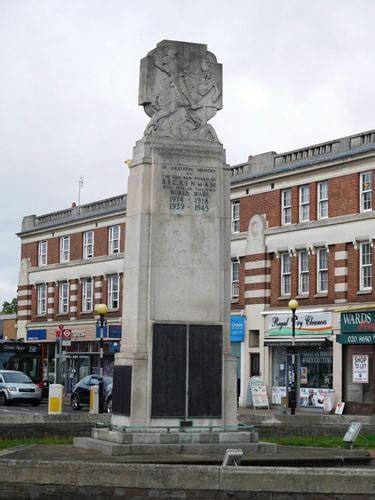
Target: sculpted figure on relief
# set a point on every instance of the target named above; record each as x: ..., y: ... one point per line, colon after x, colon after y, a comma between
x: 180, y: 89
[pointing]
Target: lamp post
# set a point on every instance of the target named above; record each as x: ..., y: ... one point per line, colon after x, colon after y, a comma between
x: 102, y: 310
x: 292, y: 388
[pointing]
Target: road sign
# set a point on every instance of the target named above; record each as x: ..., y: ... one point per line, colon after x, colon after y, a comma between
x: 66, y: 334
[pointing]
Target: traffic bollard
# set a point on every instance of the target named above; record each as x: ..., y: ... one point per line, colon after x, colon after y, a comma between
x: 55, y: 399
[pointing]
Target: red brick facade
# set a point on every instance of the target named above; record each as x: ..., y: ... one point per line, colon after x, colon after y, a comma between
x: 343, y: 274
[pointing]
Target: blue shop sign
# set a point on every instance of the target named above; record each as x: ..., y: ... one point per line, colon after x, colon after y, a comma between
x: 109, y: 331
x: 237, y: 328
x: 105, y: 331
x: 37, y: 334
x: 115, y: 331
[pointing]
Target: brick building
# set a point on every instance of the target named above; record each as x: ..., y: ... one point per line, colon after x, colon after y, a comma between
x: 303, y: 226
x: 72, y: 260
x: 8, y: 326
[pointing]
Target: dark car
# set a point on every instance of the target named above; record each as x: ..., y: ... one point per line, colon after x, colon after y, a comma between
x: 81, y: 391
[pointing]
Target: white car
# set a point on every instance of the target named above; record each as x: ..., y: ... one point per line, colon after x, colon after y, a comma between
x: 18, y: 387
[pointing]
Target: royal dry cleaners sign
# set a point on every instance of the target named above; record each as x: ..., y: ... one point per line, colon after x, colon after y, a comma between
x: 307, y: 323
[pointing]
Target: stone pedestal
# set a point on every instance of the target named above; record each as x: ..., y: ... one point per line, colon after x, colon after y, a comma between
x: 176, y: 348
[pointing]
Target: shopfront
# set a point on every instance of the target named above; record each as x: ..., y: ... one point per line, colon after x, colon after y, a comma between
x: 237, y: 336
x: 80, y: 353
x: 313, y: 357
x: 358, y: 346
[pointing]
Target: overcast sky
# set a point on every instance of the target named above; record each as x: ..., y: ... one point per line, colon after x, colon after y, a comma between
x: 296, y: 72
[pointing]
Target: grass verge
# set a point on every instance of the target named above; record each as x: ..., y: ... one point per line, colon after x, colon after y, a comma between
x: 10, y: 443
x: 363, y: 441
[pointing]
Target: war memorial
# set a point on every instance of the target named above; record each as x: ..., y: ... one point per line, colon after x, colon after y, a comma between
x: 174, y: 396
x: 174, y: 379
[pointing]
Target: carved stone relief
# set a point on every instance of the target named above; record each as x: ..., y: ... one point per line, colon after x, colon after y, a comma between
x: 180, y: 89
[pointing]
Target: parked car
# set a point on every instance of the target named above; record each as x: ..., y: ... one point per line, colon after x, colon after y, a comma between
x: 108, y: 398
x: 44, y: 386
x: 81, y: 391
x: 17, y: 387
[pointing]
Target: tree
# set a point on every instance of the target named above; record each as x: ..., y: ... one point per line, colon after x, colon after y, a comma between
x: 9, y: 307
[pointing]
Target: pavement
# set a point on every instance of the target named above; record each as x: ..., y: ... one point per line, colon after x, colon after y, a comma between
x: 285, y: 455
x: 63, y: 471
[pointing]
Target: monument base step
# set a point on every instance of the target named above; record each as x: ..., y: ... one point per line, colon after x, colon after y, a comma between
x: 150, y: 443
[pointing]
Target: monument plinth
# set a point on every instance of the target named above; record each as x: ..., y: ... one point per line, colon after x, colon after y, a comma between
x: 175, y: 360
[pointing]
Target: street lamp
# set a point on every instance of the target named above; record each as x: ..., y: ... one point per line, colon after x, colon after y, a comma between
x: 292, y: 388
x: 102, y: 310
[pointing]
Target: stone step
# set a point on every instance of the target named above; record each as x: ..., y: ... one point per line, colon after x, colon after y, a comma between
x: 112, y: 448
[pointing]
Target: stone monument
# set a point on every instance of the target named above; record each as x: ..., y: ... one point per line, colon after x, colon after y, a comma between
x: 175, y: 360
x: 175, y: 368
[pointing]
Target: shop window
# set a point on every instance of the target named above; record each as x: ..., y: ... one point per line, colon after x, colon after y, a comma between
x: 314, y: 373
x: 253, y: 338
x: 322, y: 200
x: 316, y: 367
x: 304, y: 203
x: 303, y: 272
x: 285, y: 274
x: 286, y: 206
x: 366, y: 191
x: 365, y: 266
x: 358, y: 359
x: 236, y: 216
x: 322, y: 270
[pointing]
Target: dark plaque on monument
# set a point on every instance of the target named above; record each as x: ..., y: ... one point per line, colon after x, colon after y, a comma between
x: 176, y: 347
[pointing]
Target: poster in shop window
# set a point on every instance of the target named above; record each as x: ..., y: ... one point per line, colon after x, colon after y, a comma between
x: 360, y: 368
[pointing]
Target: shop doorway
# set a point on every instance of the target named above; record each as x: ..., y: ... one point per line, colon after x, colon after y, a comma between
x: 77, y: 367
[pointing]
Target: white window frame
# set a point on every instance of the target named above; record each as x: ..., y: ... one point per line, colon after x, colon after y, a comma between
x: 42, y: 253
x: 322, y: 270
x: 64, y: 248
x: 87, y: 294
x: 366, y: 191
x: 303, y: 272
x: 235, y: 278
x: 322, y: 200
x: 41, y: 299
x: 63, y: 297
x: 113, y: 291
x: 113, y: 241
x: 365, y: 264
x: 286, y: 206
x: 304, y: 203
x: 285, y: 274
x: 88, y: 245
x: 235, y: 216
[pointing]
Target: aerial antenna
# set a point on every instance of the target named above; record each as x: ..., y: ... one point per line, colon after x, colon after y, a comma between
x: 80, y: 184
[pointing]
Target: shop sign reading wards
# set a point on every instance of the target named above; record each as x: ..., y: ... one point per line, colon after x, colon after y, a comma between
x: 358, y: 322
x: 307, y: 323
